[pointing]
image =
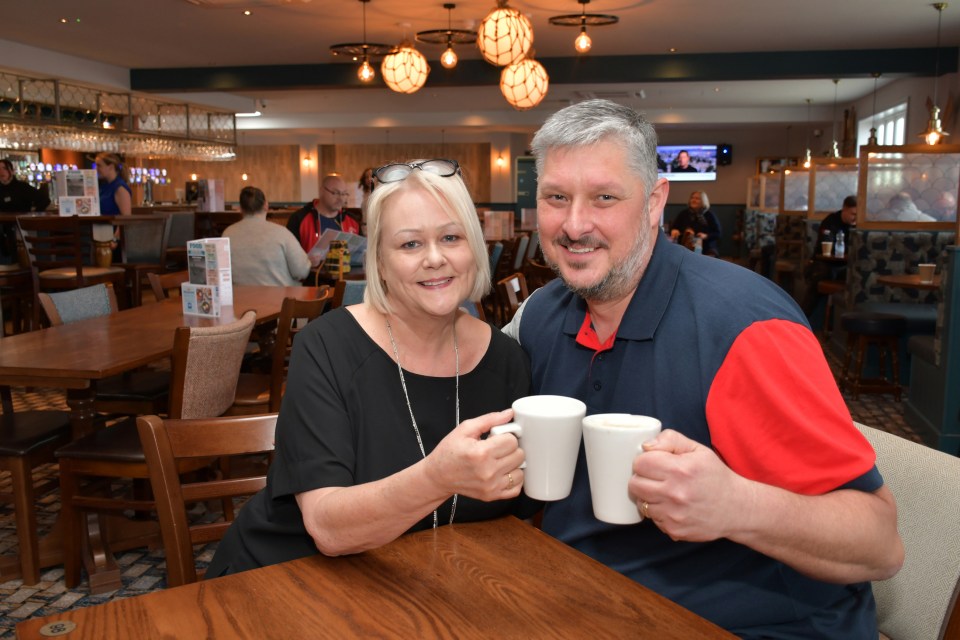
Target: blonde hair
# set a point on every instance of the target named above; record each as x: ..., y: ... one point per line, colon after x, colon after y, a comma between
x: 452, y: 196
x: 105, y: 157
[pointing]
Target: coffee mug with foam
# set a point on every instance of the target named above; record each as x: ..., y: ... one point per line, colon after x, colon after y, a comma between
x: 612, y: 441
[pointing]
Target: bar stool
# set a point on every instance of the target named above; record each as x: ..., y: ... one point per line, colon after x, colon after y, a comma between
x: 865, y: 328
x: 828, y: 288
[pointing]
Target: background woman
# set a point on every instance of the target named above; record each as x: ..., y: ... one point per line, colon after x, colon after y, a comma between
x: 364, y: 187
x: 700, y: 222
x: 115, y: 193
x: 382, y: 426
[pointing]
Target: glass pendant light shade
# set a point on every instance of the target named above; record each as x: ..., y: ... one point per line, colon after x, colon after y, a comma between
x: 448, y: 58
x: 524, y: 84
x: 583, y: 42
x: 406, y: 70
x: 935, y: 133
x: 366, y: 72
x: 505, y: 36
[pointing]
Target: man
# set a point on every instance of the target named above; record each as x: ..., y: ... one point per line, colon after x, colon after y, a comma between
x: 818, y: 270
x: 16, y: 197
x: 683, y: 163
x: 763, y: 509
x: 262, y: 252
x: 325, y: 212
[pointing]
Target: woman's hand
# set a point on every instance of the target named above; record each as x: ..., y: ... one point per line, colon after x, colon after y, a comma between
x: 468, y: 465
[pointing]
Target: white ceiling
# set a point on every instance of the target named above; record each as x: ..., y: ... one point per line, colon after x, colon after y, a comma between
x: 215, y: 33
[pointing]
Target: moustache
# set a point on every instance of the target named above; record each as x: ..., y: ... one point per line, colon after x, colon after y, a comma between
x: 583, y: 242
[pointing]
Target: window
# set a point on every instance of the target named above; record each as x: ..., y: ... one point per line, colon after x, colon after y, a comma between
x: 891, y: 126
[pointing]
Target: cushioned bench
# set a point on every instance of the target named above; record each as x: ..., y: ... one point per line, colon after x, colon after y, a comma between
x: 921, y: 318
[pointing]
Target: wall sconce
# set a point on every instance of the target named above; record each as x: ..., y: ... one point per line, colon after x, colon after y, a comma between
x: 193, y: 177
x: 243, y: 177
x: 501, y: 163
x: 307, y: 161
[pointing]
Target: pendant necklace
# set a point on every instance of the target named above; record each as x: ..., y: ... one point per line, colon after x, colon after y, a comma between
x: 416, y: 430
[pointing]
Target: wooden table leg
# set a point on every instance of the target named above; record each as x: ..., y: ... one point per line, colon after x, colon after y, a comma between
x: 82, y: 414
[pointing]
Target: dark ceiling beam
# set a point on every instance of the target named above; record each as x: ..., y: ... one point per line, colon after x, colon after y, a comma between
x: 782, y: 65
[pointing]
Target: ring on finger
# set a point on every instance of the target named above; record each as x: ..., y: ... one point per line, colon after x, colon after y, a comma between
x: 645, y: 509
x: 509, y: 481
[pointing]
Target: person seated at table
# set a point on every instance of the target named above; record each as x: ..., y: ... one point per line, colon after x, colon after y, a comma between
x: 365, y: 186
x: 309, y: 222
x: 698, y: 221
x: 261, y: 252
x: 816, y: 271
x: 382, y: 427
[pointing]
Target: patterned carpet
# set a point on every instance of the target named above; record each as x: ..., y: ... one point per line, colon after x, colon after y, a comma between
x: 144, y: 570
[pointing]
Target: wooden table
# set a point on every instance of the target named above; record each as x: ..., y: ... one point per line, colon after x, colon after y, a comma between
x: 75, y: 356
x: 490, y: 580
x: 909, y: 281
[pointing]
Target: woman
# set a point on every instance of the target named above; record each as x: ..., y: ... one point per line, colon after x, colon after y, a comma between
x: 698, y: 221
x: 115, y: 194
x: 364, y: 187
x: 382, y: 426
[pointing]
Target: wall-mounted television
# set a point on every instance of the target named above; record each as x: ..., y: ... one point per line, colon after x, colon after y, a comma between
x: 687, y: 162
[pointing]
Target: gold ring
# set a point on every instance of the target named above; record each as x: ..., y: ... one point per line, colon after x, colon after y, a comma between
x: 509, y: 481
x: 644, y: 509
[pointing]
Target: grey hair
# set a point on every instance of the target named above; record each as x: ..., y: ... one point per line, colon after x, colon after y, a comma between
x: 587, y: 123
x: 704, y: 198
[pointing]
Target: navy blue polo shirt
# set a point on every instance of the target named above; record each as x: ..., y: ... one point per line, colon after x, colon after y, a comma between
x: 725, y: 357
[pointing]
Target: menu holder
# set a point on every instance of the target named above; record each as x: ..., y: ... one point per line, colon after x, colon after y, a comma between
x: 200, y: 300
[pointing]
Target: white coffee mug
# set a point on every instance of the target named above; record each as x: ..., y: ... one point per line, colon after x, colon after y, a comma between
x: 612, y: 441
x: 549, y: 430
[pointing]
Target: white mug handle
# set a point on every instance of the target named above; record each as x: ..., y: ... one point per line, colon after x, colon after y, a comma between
x: 511, y: 427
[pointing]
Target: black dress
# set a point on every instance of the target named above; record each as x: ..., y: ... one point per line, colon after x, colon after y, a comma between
x: 344, y: 421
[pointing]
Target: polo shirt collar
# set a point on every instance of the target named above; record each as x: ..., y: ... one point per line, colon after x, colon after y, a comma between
x: 650, y: 299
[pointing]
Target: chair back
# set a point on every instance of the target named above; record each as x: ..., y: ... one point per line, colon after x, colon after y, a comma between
x: 512, y: 291
x: 347, y: 292
x: 521, y: 251
x: 920, y: 601
x: 145, y: 241
x: 53, y: 243
x: 206, y: 366
x: 165, y: 444
x: 292, y: 311
x: 537, y: 274
x: 163, y: 284
x: 64, y: 307
x: 496, y: 250
x: 534, y: 246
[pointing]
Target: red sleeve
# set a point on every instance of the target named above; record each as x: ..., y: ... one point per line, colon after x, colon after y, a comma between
x: 350, y: 225
x: 777, y: 417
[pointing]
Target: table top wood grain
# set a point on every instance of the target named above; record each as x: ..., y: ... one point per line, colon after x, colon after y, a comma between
x: 909, y: 281
x: 497, y: 579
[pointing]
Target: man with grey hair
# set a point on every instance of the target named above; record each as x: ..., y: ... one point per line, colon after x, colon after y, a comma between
x: 763, y: 509
x: 308, y: 223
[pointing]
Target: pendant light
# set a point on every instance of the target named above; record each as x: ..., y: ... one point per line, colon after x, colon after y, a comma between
x: 807, y: 156
x: 524, y: 84
x: 505, y: 35
x: 449, y: 37
x: 405, y: 70
x: 583, y: 43
x: 872, y: 140
x: 835, y: 148
x: 363, y: 50
x: 935, y: 133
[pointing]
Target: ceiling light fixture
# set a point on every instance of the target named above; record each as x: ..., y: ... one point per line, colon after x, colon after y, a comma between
x: 807, y: 156
x: 872, y: 140
x: 583, y: 42
x: 363, y: 50
x: 449, y: 37
x: 525, y: 83
x: 835, y: 149
x: 505, y: 35
x: 935, y: 132
x: 405, y: 70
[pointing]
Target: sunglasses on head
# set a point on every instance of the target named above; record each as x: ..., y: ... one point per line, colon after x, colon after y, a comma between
x: 398, y: 171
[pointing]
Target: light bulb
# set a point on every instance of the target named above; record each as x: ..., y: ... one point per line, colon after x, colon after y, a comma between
x: 449, y: 58
x: 583, y: 42
x: 366, y: 72
x: 932, y: 137
x: 807, y: 160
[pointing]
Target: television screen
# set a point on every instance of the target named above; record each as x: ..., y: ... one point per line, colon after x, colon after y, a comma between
x: 687, y: 162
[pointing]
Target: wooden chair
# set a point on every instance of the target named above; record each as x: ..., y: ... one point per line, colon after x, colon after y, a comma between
x: 206, y: 364
x: 347, y: 292
x: 56, y: 252
x: 144, y: 250
x: 262, y: 393
x: 511, y: 291
x: 167, y: 446
x: 182, y: 229
x: 28, y: 439
x: 537, y: 274
x: 163, y: 284
x: 16, y: 295
x: 132, y: 393
x: 920, y: 601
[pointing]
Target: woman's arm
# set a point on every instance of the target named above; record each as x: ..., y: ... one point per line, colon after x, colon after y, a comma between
x: 124, y: 201
x: 343, y: 520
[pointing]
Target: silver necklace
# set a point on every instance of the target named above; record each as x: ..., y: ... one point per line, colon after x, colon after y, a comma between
x: 416, y: 430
